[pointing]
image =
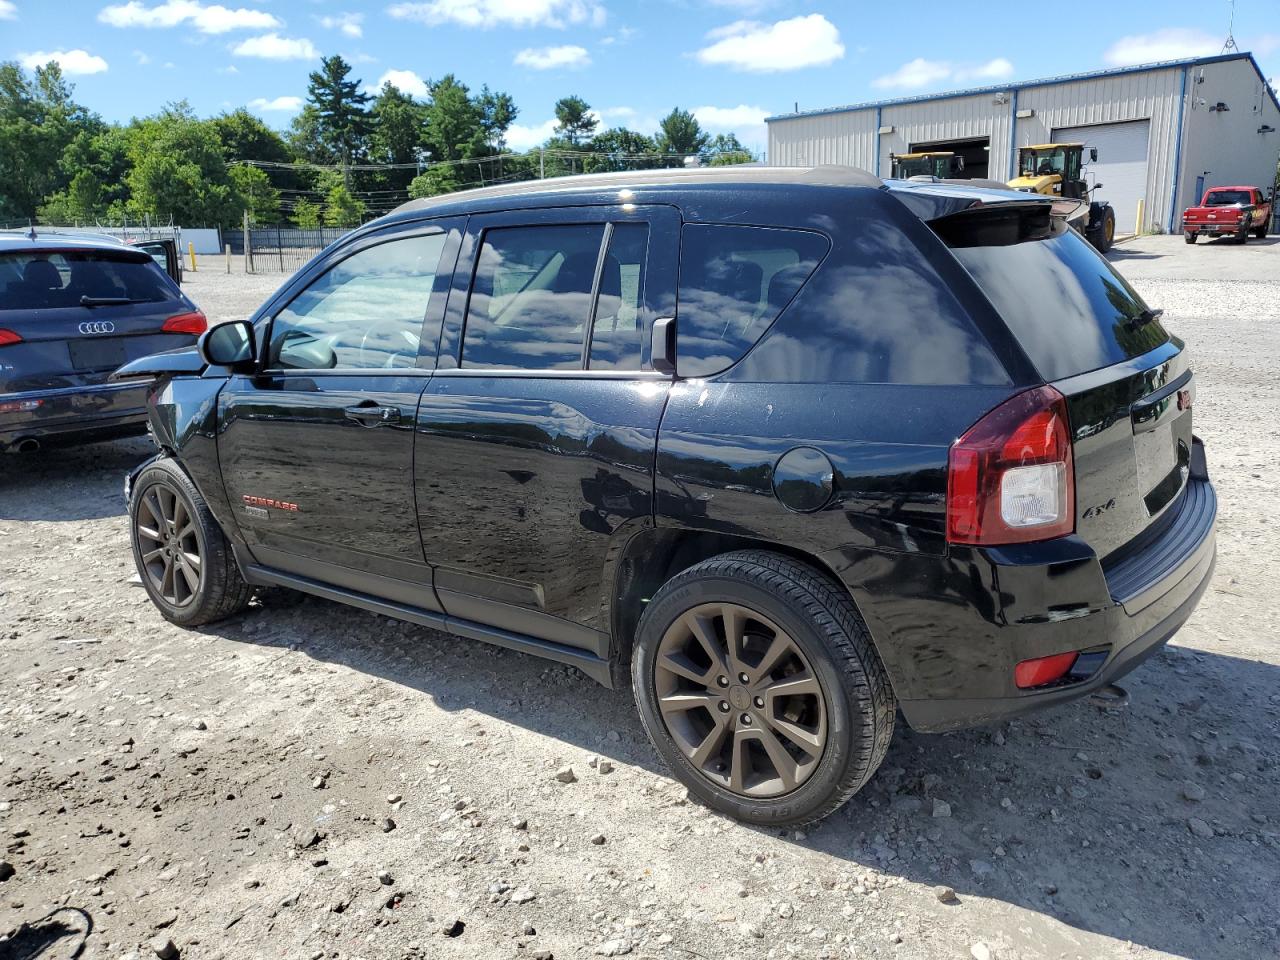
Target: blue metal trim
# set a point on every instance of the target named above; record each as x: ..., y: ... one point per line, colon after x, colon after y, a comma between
x: 877, y: 169
x: 1013, y: 136
x: 1031, y: 84
x: 1177, y: 150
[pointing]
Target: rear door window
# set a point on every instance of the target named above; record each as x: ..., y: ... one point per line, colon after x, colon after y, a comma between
x: 734, y: 281
x: 1068, y: 308
x: 42, y: 281
x: 531, y: 297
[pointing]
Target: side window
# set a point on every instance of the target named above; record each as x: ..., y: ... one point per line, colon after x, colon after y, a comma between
x: 531, y: 297
x: 617, y: 330
x: 366, y: 312
x: 734, y: 281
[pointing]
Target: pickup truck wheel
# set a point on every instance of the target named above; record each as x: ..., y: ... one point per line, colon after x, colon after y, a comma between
x: 1261, y: 233
x: 759, y: 686
x: 182, y: 556
x: 1190, y: 237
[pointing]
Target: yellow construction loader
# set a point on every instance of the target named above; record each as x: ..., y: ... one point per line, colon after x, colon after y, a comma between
x: 1057, y: 170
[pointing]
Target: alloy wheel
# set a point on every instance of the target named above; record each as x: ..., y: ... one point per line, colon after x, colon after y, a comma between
x: 741, y: 700
x: 168, y: 544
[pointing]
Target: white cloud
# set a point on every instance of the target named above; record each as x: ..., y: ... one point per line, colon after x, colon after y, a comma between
x: 567, y: 57
x: 72, y: 62
x: 521, y: 137
x: 736, y: 118
x: 8, y: 11
x: 1171, y: 43
x: 920, y: 72
x: 211, y: 18
x: 272, y: 46
x: 808, y: 41
x: 230, y: 68
x: 278, y: 105
x: 502, y: 13
x: 141, y: 57
x: 348, y: 23
x: 405, y: 80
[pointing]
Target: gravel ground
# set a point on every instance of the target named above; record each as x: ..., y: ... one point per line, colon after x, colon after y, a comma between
x: 309, y: 780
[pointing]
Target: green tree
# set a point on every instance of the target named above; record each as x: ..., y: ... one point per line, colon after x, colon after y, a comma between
x: 497, y: 112
x: 256, y: 194
x: 679, y: 133
x: 81, y: 201
x: 178, y: 170
x: 104, y: 154
x: 341, y: 114
x: 574, y: 121
x: 38, y: 121
x: 244, y: 137
x: 433, y: 181
x: 306, y: 214
x: 341, y: 209
x: 399, y: 123
x: 726, y: 149
x: 455, y: 124
x: 622, y: 149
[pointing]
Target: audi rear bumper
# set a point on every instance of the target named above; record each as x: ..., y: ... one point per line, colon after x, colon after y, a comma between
x: 67, y: 415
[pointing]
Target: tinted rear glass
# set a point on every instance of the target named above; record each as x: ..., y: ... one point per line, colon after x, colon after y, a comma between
x: 734, y: 281
x: 34, y: 281
x: 1069, y: 309
x: 1225, y: 198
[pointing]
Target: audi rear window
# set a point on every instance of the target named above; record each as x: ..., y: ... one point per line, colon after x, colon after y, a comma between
x: 42, y: 280
x: 1068, y: 308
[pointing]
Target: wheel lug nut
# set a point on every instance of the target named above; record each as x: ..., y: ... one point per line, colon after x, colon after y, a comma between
x: 724, y: 706
x: 746, y: 719
x: 722, y: 681
x: 743, y: 678
x: 760, y: 702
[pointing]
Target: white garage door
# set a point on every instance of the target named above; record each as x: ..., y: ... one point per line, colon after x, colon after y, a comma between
x: 1121, y: 166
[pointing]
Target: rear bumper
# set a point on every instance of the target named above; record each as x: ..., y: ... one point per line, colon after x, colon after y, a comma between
x: 73, y: 414
x: 1211, y: 227
x: 1148, y: 596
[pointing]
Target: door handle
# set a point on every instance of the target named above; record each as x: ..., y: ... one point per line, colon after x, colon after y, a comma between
x: 372, y: 415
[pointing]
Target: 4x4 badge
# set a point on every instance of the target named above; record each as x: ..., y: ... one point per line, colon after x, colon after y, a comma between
x: 1100, y: 509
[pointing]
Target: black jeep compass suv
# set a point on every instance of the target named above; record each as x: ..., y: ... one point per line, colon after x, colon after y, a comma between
x: 786, y: 449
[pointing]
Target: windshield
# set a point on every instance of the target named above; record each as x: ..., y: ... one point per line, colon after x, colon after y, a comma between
x: 1070, y: 311
x: 1037, y: 163
x: 1227, y: 198
x: 42, y: 280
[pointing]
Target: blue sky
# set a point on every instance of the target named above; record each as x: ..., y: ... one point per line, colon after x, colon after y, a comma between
x: 732, y: 62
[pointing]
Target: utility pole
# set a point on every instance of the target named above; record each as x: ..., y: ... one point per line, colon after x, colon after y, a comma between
x: 541, y: 169
x: 248, y: 250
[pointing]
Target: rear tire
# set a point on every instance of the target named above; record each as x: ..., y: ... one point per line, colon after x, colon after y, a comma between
x: 1261, y: 233
x: 1190, y: 237
x: 182, y: 556
x: 781, y: 726
x: 1242, y: 236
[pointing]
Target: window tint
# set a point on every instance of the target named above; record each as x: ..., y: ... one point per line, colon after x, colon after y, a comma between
x: 1070, y: 311
x: 31, y: 281
x: 531, y: 297
x: 617, y: 332
x: 734, y: 281
x: 365, y: 312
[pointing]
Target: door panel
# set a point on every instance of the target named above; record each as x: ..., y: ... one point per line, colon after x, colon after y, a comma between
x: 526, y: 479
x: 317, y: 449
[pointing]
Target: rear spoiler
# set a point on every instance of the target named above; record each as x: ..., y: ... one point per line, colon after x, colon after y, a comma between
x: 932, y: 201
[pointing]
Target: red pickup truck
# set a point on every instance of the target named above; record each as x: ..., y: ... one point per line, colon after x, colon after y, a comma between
x: 1228, y: 211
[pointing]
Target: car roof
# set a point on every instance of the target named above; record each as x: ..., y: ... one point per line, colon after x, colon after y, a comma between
x: 1212, y: 189
x: 24, y: 242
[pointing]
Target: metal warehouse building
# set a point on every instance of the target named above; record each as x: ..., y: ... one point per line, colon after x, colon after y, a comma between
x: 1163, y: 131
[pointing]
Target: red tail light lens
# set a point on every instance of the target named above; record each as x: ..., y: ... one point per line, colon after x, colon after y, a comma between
x: 1042, y: 670
x: 8, y: 336
x: 1010, y: 478
x: 192, y: 323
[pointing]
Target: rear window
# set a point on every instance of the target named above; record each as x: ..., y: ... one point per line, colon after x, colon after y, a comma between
x: 30, y: 281
x: 1069, y: 309
x: 1227, y: 198
x: 734, y: 281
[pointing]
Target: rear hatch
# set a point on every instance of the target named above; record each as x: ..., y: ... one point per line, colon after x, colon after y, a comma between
x: 1127, y: 382
x: 69, y: 317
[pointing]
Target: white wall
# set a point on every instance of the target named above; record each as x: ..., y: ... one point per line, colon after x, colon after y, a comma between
x: 1227, y: 144
x: 956, y: 118
x: 206, y: 239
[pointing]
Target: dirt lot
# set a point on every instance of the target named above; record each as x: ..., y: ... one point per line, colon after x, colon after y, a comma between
x: 314, y: 781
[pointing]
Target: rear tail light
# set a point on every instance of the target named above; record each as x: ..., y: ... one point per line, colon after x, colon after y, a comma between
x: 1010, y: 477
x: 1042, y: 670
x: 20, y: 406
x: 193, y: 323
x: 8, y: 337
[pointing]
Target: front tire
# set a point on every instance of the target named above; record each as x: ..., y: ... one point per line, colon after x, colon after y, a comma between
x: 1190, y: 237
x: 182, y: 556
x: 760, y: 687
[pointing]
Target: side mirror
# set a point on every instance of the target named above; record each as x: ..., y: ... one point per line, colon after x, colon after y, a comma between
x: 1093, y: 154
x: 663, y: 345
x: 227, y: 344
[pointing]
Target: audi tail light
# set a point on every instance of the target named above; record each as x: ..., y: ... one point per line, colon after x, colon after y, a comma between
x: 1010, y: 478
x: 8, y: 337
x: 193, y: 323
